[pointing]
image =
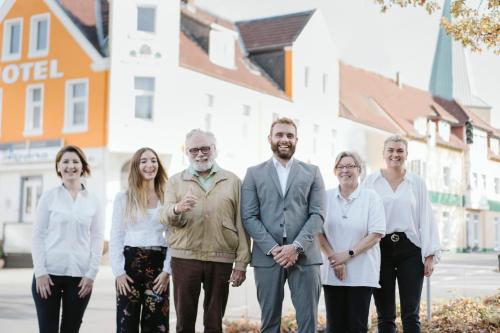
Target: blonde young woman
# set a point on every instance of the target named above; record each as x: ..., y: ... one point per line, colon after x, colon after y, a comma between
x: 411, y: 246
x: 138, y: 250
x: 68, y: 235
x: 353, y: 227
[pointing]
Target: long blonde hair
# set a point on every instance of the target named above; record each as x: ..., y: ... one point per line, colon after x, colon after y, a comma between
x: 136, y: 194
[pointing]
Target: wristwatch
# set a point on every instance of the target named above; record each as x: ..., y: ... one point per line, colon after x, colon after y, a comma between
x: 351, y: 253
x: 298, y: 248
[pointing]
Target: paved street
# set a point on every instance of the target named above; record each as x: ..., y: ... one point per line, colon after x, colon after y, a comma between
x: 458, y: 275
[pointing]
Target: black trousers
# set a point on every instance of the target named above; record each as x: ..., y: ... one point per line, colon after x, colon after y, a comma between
x: 142, y: 306
x: 65, y: 289
x: 401, y: 260
x: 347, y: 309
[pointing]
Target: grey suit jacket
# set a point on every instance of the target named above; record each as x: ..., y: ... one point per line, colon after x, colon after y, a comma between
x: 265, y: 211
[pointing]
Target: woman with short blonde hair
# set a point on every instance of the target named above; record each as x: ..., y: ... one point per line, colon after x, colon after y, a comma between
x: 353, y: 226
x: 411, y: 247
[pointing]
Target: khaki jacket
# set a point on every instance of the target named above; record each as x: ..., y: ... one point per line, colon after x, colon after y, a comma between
x: 212, y: 230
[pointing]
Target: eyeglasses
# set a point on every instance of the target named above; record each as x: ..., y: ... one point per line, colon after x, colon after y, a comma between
x: 204, y: 150
x: 347, y: 167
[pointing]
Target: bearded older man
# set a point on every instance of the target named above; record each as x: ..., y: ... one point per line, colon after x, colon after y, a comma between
x: 202, y: 211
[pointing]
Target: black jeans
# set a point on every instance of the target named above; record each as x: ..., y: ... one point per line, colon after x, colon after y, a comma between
x: 142, y: 306
x: 347, y: 309
x: 401, y: 260
x: 65, y: 289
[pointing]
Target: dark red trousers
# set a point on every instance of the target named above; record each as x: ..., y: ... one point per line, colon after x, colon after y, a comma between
x: 188, y: 277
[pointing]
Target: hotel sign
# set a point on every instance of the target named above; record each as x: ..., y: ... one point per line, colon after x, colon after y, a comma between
x: 36, y: 71
x: 35, y: 152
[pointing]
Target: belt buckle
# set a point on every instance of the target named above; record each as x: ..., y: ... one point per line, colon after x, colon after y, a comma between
x: 395, y: 238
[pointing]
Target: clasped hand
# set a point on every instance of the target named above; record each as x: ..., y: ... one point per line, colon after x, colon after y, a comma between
x: 286, y: 256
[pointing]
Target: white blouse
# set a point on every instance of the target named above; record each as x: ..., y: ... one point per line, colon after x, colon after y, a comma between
x: 346, y: 223
x: 145, y: 231
x: 68, y: 234
x: 409, y: 210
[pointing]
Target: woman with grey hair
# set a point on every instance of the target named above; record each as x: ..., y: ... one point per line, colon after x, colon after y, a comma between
x: 411, y: 246
x: 354, y: 224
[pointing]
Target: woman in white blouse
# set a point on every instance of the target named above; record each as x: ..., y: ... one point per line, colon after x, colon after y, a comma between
x: 68, y: 235
x: 411, y: 246
x: 353, y: 226
x: 138, y: 249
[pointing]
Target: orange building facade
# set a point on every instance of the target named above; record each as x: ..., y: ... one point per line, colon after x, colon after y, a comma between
x: 53, y: 92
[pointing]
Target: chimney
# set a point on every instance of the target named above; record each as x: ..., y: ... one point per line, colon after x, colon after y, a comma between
x: 399, y: 80
x: 288, y: 71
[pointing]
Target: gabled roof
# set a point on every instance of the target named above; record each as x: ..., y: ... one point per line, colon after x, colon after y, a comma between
x: 193, y: 54
x: 87, y: 17
x: 380, y: 102
x: 273, y: 32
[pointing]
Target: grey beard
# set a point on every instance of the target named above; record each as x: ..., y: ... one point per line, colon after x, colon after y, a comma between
x: 205, y: 166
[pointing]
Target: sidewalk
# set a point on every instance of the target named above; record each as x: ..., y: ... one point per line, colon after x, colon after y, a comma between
x: 468, y: 275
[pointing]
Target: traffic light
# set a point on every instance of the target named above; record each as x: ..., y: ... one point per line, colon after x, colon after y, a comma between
x: 469, y: 132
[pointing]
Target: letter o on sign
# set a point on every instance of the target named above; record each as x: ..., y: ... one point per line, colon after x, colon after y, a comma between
x: 10, y: 74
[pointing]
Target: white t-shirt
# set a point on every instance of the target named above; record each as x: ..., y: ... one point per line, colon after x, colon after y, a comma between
x: 408, y: 210
x: 68, y: 234
x: 146, y: 230
x: 346, y: 223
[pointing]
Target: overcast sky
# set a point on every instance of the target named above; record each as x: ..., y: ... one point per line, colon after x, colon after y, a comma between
x: 401, y: 40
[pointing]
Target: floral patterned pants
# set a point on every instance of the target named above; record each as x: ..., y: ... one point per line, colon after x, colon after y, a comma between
x: 142, y: 306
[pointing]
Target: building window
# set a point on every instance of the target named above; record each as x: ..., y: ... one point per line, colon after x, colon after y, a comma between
x: 306, y: 77
x: 210, y: 100
x: 77, y: 99
x: 483, y: 177
x: 33, y: 117
x: 497, y: 182
x: 419, y: 167
x: 222, y: 48
x: 39, y: 35
x: 473, y: 231
x: 12, y: 38
x: 475, y: 180
x: 146, y: 19
x: 144, y: 88
x: 444, y: 130
x: 446, y: 229
x: 447, y: 176
x: 497, y: 233
x: 495, y: 145
x: 325, y: 83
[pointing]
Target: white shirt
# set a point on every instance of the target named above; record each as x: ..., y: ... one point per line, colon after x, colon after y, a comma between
x: 146, y: 230
x: 408, y: 210
x: 68, y: 234
x: 283, y: 173
x: 364, y: 214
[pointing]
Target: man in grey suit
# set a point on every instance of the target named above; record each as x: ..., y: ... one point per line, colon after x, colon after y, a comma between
x: 282, y: 208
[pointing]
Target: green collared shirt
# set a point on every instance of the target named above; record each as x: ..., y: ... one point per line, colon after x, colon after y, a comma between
x: 204, y: 182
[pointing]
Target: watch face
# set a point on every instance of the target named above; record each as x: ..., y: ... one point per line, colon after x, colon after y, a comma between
x: 351, y: 253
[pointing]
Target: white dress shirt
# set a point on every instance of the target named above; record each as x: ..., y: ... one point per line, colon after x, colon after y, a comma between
x: 283, y: 172
x: 409, y: 210
x: 146, y: 230
x: 68, y: 234
x: 346, y: 223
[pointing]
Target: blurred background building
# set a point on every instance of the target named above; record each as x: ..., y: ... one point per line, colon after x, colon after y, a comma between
x: 114, y: 76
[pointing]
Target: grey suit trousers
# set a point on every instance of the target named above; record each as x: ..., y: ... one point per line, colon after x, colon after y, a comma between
x: 305, y: 287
